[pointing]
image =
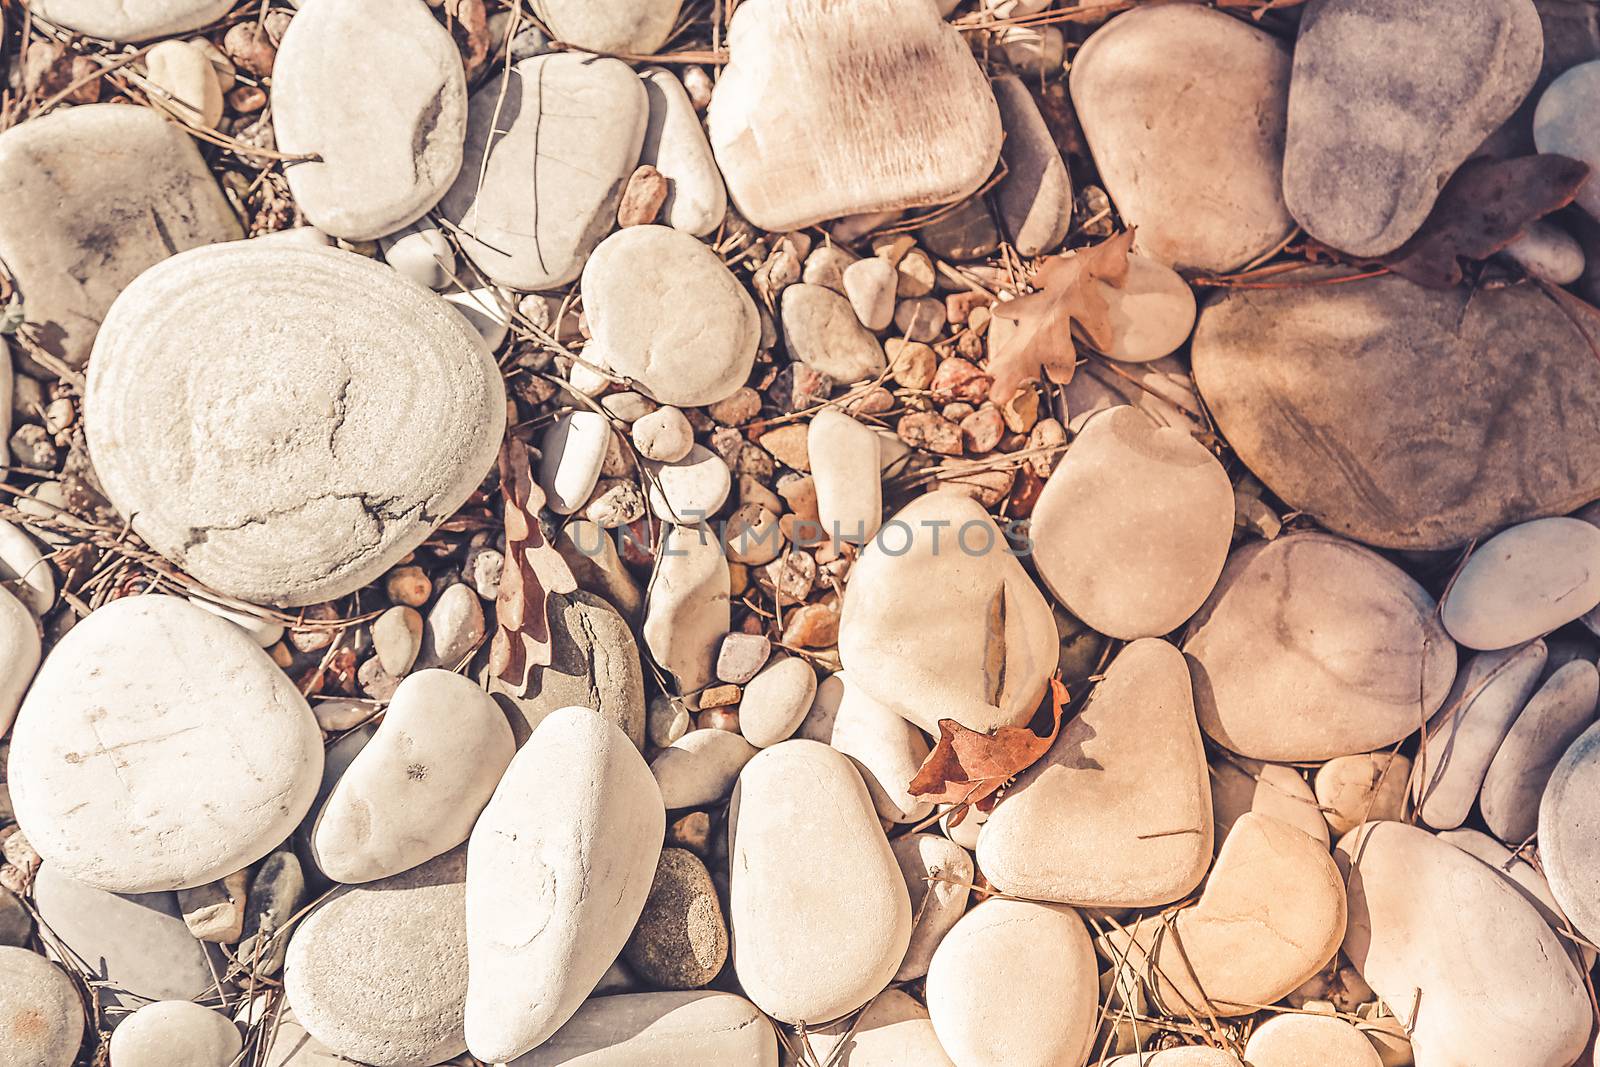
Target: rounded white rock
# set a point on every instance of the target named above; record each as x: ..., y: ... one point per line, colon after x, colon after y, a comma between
x: 170, y: 1032
x: 1524, y: 582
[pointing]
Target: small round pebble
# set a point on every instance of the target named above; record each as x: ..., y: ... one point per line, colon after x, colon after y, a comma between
x: 175, y: 1033
x: 681, y: 940
x: 776, y: 700
x: 663, y: 434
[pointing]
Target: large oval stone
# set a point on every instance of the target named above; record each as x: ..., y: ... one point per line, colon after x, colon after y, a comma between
x: 1569, y: 831
x: 117, y: 20
x: 285, y: 423
x: 1313, y: 647
x: 821, y: 918
x: 666, y: 1028
x: 1563, y: 708
x: 1439, y: 933
x: 826, y: 110
x: 1524, y: 582
x: 1131, y: 531
x: 376, y: 90
x: 1118, y: 812
x: 559, y: 866
x: 1402, y: 416
x: 378, y: 973
x: 1199, y: 173
x: 940, y: 621
x: 41, y: 1017
x: 1386, y: 100
x: 155, y: 721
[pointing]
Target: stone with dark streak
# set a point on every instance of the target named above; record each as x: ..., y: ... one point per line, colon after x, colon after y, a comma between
x: 1401, y: 416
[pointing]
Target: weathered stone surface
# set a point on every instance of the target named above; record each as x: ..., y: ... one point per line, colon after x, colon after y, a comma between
x: 821, y: 918
x: 1562, y: 708
x: 553, y: 890
x: 1271, y: 915
x: 979, y: 979
x: 94, y: 195
x: 1118, y: 812
x: 1202, y: 181
x: 1321, y: 625
x: 825, y: 111
x: 681, y: 940
x: 664, y: 1028
x: 378, y: 973
x: 1364, y: 787
x: 417, y: 787
x: 41, y: 1017
x: 175, y: 1032
x: 950, y: 628
x: 118, y: 21
x: 375, y: 88
x: 1401, y: 416
x: 547, y: 155
x: 243, y: 409
x: 1132, y: 529
x: 1524, y: 582
x: 210, y: 749
x: 1386, y: 101
x: 1442, y: 959
x: 666, y: 312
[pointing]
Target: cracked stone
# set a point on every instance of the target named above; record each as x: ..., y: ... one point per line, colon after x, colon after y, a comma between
x: 291, y: 456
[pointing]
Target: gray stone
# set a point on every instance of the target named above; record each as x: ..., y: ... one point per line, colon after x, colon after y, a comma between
x: 117, y: 21
x: 681, y: 940
x: 1563, y: 125
x: 453, y: 629
x: 378, y: 973
x: 175, y: 1032
x: 1202, y: 180
x: 95, y: 194
x: 699, y: 768
x: 376, y: 90
x: 1524, y: 582
x: 548, y: 151
x: 660, y: 1028
x: 825, y: 111
x: 16, y: 924
x: 1561, y: 709
x: 1035, y: 199
x: 1386, y: 102
x: 211, y: 749
x: 1401, y: 416
x: 637, y: 27
x: 40, y: 1014
x: 137, y: 945
x: 666, y: 312
x: 277, y: 891
x: 594, y: 664
x: 1569, y: 829
x: 675, y: 144
x: 1321, y: 625
x: 243, y: 406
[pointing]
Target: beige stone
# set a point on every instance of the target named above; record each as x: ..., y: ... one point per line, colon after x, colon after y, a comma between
x: 1364, y: 787
x: 184, y: 73
x: 886, y: 749
x: 1152, y: 311
x: 1321, y: 625
x: 1418, y: 935
x: 893, y: 1031
x: 1309, y: 1041
x: 1271, y: 915
x: 1272, y: 789
x: 666, y: 1028
x: 1117, y: 813
x: 1562, y: 708
x: 844, y: 465
x: 1524, y: 582
x: 938, y: 874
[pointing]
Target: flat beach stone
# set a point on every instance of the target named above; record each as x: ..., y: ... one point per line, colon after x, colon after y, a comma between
x: 938, y: 873
x: 1386, y: 101
x: 1561, y: 709
x: 119, y: 21
x: 1326, y: 627
x: 572, y: 452
x: 675, y: 144
x: 1035, y: 199
x: 1569, y: 814
x: 155, y: 717
x: 825, y: 111
x: 95, y: 194
x: 669, y: 315
x: 688, y: 609
x: 1132, y: 528
x: 175, y: 1032
x: 1201, y: 179
x: 665, y: 1028
x: 376, y: 89
x: 638, y: 27
x: 886, y: 749
x: 845, y: 466
x: 378, y: 973
x: 1292, y: 1040
x: 821, y: 918
x: 1524, y: 582
x: 681, y: 940
x: 547, y: 155
x: 1362, y: 787
x: 821, y: 330
x: 941, y: 622
x: 19, y: 656
x: 1118, y: 812
x: 1272, y: 789
x: 1441, y: 959
x: 892, y: 1031
x: 243, y: 406
x: 1401, y: 416
x: 41, y: 1016
x: 699, y: 768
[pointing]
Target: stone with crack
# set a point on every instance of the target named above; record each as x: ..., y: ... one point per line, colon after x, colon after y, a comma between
x: 285, y: 423
x: 375, y: 89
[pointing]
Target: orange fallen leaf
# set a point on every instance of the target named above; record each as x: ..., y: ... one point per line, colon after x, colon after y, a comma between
x: 534, y: 570
x: 1066, y: 294
x: 968, y: 768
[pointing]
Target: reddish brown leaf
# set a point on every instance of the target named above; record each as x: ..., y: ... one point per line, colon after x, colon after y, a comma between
x: 1066, y: 294
x: 534, y: 570
x: 1485, y: 206
x: 968, y: 768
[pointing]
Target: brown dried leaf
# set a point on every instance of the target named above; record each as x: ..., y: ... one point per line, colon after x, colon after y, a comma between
x: 1485, y: 206
x: 968, y: 768
x: 1066, y: 293
x: 534, y: 570
x: 469, y: 25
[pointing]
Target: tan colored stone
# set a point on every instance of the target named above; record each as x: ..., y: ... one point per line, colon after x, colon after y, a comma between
x: 1309, y: 1041
x: 1365, y: 787
x: 1272, y: 789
